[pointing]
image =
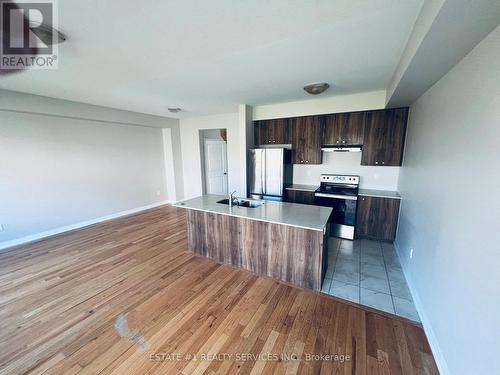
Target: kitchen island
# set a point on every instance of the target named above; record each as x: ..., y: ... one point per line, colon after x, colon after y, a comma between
x: 286, y: 241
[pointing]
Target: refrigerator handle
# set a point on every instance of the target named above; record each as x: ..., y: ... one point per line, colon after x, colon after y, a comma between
x: 282, y: 175
x: 263, y: 175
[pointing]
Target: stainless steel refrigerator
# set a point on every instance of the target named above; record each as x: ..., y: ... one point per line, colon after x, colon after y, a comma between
x: 269, y: 171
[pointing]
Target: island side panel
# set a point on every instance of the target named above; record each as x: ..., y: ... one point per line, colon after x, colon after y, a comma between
x: 196, y: 232
x: 214, y: 236
x: 255, y: 246
x: 283, y: 252
x: 306, y: 249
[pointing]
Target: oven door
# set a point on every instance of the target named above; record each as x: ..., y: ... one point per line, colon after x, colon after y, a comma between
x: 343, y: 218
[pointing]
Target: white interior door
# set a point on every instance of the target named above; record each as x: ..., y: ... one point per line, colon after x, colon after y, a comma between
x: 215, y: 166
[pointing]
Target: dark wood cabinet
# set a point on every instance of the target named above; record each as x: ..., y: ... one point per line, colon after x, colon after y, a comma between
x: 377, y: 218
x: 384, y: 137
x: 299, y: 196
x: 273, y: 131
x: 343, y: 129
x: 306, y: 140
x: 380, y: 132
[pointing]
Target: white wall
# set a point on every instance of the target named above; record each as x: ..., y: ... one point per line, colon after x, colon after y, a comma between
x: 322, y: 105
x: 169, y: 164
x: 59, y: 169
x: 191, y: 160
x: 426, y: 17
x: 11, y: 101
x: 450, y: 212
x: 382, y: 178
x: 245, y: 126
x: 57, y: 172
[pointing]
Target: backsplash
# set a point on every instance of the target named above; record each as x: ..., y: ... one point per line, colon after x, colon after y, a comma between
x: 381, y: 178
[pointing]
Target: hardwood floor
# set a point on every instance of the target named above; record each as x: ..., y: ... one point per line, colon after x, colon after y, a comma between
x: 60, y: 299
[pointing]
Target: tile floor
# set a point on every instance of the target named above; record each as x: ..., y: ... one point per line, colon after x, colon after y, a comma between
x: 369, y: 273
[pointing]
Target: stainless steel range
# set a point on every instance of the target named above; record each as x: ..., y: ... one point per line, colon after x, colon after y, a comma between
x: 341, y: 193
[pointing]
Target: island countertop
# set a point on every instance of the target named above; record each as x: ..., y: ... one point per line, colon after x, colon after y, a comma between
x: 292, y: 214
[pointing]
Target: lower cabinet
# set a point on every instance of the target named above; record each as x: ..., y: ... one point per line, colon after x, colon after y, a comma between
x: 377, y: 218
x: 299, y: 196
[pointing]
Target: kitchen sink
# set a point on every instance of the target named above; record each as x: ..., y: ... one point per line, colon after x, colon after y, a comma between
x: 250, y: 204
x: 241, y: 203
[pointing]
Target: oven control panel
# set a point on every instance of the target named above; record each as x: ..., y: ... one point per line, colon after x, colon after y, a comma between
x: 340, y: 179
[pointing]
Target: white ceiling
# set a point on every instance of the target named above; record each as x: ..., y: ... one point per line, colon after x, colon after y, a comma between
x: 208, y: 56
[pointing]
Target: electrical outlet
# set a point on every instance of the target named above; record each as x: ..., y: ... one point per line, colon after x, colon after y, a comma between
x: 411, y: 253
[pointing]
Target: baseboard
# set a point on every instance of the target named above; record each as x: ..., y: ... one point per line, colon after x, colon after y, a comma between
x: 429, y: 332
x: 38, y: 236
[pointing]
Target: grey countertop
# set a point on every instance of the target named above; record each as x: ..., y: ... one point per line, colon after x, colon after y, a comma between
x: 379, y: 193
x: 292, y: 214
x: 302, y: 187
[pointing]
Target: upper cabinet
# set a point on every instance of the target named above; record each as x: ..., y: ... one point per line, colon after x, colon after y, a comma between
x: 306, y: 140
x: 384, y: 136
x: 380, y: 132
x: 275, y: 131
x: 344, y: 129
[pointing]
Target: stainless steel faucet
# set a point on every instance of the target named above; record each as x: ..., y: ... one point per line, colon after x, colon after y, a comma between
x: 231, y: 198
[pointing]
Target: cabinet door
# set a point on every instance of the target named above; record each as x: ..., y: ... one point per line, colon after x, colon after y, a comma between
x: 258, y: 133
x: 353, y: 129
x: 384, y: 135
x: 277, y: 130
x: 306, y: 140
x: 395, y: 120
x: 332, y: 129
x: 374, y: 138
x: 273, y: 131
x: 377, y: 218
x: 298, y: 196
x: 366, y: 222
x: 343, y: 129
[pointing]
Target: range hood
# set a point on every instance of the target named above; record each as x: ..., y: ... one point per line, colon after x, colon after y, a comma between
x: 341, y: 148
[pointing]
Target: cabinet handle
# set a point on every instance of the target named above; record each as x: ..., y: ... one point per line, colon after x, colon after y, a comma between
x: 338, y: 141
x: 376, y: 162
x: 343, y: 141
x: 383, y: 162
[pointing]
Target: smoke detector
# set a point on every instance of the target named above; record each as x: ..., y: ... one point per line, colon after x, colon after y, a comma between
x: 174, y: 109
x: 316, y: 88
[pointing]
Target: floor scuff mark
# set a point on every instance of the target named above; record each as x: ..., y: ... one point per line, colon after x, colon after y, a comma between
x: 121, y: 326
